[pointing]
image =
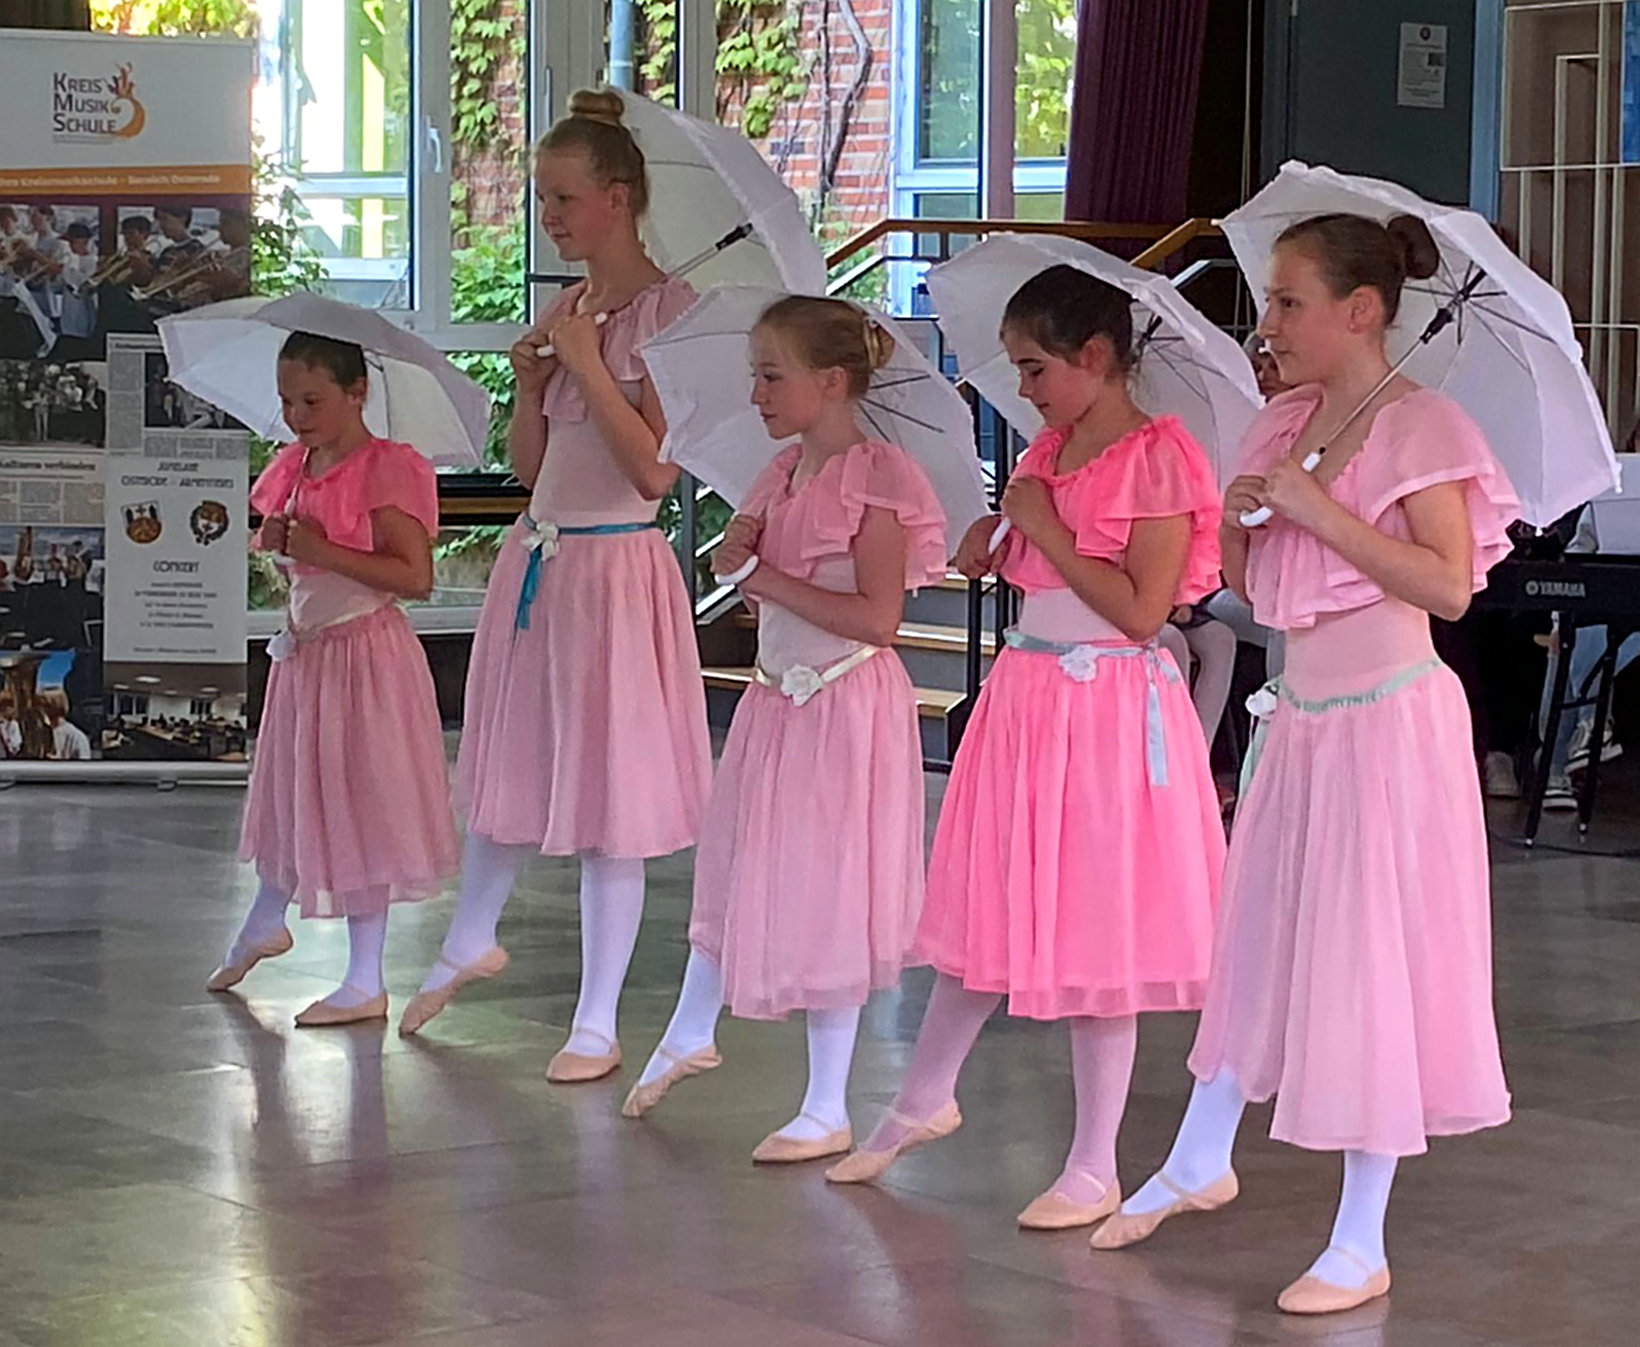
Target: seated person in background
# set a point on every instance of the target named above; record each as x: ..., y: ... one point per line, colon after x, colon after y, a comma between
x: 1575, y: 739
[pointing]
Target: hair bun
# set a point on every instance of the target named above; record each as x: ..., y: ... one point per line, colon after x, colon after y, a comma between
x: 879, y: 344
x: 1420, y: 257
x: 597, y: 105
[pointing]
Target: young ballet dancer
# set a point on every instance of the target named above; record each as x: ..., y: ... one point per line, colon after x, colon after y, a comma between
x: 585, y: 727
x: 809, y: 873
x: 1077, y: 858
x: 1352, y: 973
x: 348, y: 810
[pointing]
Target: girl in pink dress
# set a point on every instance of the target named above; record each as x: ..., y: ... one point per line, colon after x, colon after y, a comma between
x: 1352, y: 974
x: 348, y: 809
x: 809, y: 875
x: 1077, y: 857
x: 585, y: 724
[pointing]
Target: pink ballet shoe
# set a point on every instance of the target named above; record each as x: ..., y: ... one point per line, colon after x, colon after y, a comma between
x: 867, y: 1166
x: 321, y: 1015
x: 232, y: 973
x: 1054, y: 1211
x: 775, y: 1149
x: 642, y: 1098
x: 1122, y: 1230
x: 424, y: 1006
x: 577, y: 1068
x: 1311, y: 1295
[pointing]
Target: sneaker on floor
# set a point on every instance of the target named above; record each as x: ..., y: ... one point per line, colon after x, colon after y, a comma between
x: 1501, y: 783
x: 1558, y: 796
x: 1577, y: 759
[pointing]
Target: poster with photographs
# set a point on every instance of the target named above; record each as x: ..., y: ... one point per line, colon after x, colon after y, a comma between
x: 53, y: 568
x: 176, y: 516
x: 119, y: 205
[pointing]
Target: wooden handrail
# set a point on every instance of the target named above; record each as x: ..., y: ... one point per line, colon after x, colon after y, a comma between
x: 1165, y: 241
x: 1076, y: 229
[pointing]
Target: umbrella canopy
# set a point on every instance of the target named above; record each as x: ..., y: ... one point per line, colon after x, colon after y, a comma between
x: 1186, y: 367
x: 228, y: 353
x: 1510, y: 357
x: 708, y: 184
x: 700, y: 367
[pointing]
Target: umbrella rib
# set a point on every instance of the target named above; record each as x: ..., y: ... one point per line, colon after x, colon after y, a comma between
x: 899, y: 412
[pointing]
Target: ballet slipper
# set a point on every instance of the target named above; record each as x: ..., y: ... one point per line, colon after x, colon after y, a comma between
x: 232, y: 973
x: 1311, y: 1295
x: 642, y: 1098
x: 577, y: 1068
x: 1054, y: 1211
x: 321, y: 1015
x: 867, y: 1166
x: 775, y: 1149
x: 425, y: 1005
x: 1122, y: 1230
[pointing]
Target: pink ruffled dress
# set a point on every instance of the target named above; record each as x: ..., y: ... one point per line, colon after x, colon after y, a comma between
x: 1076, y: 862
x: 349, y: 802
x: 585, y: 721
x: 1352, y: 973
x: 809, y: 873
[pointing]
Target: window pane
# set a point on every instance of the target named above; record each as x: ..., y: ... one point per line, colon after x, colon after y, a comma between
x: 643, y: 46
x: 346, y: 96
x: 948, y: 80
x: 490, y: 189
x: 1042, y: 94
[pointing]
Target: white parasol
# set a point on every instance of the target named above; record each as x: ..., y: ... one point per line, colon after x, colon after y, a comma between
x: 227, y: 353
x: 1486, y: 330
x: 719, y: 213
x: 1186, y: 366
x: 700, y: 367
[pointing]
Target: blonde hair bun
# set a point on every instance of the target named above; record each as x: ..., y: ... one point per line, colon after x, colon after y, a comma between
x: 598, y: 105
x: 879, y: 344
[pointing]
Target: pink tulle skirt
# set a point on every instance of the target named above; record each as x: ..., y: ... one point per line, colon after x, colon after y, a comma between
x: 586, y: 732
x: 809, y: 873
x: 1352, y: 975
x: 1062, y: 874
x: 349, y: 800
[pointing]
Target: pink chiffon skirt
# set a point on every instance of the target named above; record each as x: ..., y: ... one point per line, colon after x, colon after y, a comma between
x: 1062, y: 874
x: 586, y: 732
x: 809, y: 873
x: 1352, y: 974
x: 349, y: 801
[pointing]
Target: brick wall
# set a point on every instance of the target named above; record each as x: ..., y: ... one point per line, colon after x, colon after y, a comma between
x: 495, y: 179
x: 795, y: 143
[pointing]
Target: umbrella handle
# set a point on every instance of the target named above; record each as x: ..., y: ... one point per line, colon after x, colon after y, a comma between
x: 546, y: 352
x: 1002, y: 530
x: 741, y: 572
x: 1258, y: 518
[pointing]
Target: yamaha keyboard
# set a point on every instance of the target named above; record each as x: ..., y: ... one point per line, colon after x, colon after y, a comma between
x: 1588, y: 587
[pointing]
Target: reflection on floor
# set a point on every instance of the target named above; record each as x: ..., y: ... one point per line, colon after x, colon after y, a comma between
x: 177, y: 1169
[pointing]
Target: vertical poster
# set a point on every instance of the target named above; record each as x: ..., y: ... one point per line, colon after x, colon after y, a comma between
x: 122, y: 499
x: 1631, y: 82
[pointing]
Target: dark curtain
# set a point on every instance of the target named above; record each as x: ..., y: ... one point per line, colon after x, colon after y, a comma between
x: 67, y: 15
x: 1133, y: 109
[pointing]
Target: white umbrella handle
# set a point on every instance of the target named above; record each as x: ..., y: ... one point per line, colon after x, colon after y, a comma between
x: 546, y: 352
x: 1258, y: 518
x: 1002, y: 530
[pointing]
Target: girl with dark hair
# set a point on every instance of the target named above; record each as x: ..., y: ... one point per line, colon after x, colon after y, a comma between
x: 348, y: 809
x: 1077, y: 858
x: 1352, y: 974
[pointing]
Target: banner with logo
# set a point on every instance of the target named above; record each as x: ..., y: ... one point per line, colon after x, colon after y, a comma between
x: 125, y: 196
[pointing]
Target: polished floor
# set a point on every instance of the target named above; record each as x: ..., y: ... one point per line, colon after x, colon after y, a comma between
x: 178, y: 1169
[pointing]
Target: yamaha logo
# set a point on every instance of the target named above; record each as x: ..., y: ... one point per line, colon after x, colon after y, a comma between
x: 1555, y: 589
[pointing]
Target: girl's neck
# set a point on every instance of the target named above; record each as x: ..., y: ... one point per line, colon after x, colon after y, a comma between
x: 618, y: 273
x: 828, y: 437
x: 322, y: 458
x: 1113, y: 416
x: 1348, y: 387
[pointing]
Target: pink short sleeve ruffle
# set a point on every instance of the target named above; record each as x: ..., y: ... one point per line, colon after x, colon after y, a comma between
x: 1422, y: 440
x: 651, y: 312
x: 376, y: 476
x: 1157, y: 472
x: 823, y: 517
